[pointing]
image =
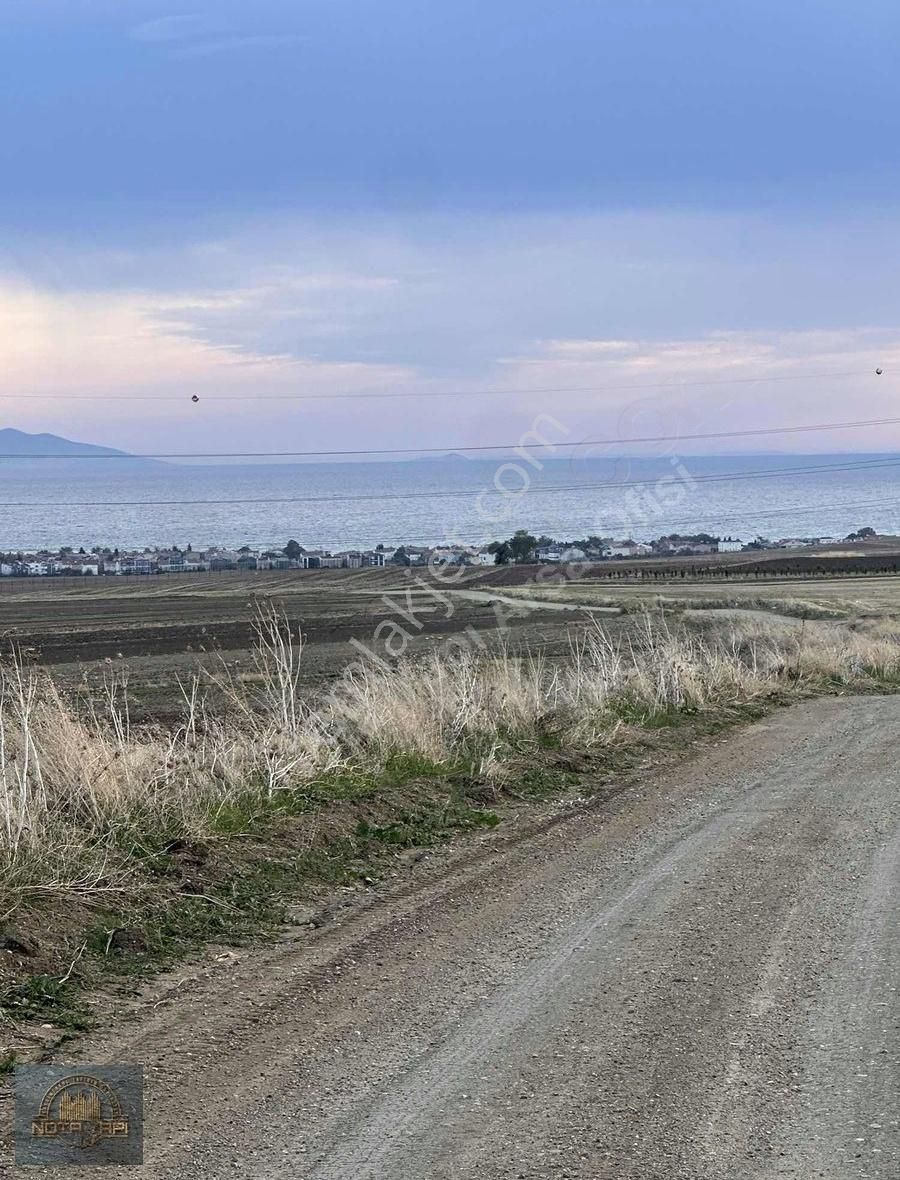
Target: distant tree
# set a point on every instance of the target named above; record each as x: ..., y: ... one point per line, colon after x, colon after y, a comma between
x: 861, y: 534
x: 591, y: 542
x: 401, y: 557
x: 293, y: 549
x: 521, y: 545
x: 691, y: 538
x: 82, y: 551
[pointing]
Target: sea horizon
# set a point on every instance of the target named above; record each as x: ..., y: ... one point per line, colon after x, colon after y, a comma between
x: 428, y: 500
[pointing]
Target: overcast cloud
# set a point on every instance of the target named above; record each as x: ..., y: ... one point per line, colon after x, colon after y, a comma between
x: 360, y: 197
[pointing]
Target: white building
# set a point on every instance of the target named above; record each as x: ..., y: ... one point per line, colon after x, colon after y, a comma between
x: 451, y: 555
x: 730, y: 545
x: 627, y: 549
x: 560, y: 553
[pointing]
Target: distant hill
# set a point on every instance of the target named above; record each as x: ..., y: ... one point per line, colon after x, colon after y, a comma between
x: 17, y: 442
x: 49, y: 454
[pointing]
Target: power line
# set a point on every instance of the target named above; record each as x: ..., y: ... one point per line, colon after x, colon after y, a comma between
x: 537, y: 490
x: 399, y: 393
x: 481, y: 447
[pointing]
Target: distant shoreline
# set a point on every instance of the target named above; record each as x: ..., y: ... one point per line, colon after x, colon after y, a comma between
x: 519, y: 549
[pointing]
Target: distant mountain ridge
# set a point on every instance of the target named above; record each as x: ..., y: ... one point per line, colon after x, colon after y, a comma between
x: 19, y: 443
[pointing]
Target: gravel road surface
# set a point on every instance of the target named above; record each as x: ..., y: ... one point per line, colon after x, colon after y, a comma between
x: 697, y: 979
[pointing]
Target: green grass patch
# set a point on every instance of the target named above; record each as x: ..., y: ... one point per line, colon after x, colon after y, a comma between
x: 634, y: 711
x: 47, y: 999
x: 232, y: 892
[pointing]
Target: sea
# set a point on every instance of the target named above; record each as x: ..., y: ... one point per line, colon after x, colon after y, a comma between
x: 453, y: 499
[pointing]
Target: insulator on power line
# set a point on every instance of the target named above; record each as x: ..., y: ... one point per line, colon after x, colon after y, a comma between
x: 196, y: 399
x: 879, y: 371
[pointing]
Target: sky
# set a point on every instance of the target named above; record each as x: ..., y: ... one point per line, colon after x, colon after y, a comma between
x: 620, y: 213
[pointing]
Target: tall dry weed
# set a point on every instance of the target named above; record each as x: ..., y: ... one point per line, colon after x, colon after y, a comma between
x: 83, y: 791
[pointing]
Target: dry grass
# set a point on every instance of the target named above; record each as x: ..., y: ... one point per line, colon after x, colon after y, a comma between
x: 82, y: 797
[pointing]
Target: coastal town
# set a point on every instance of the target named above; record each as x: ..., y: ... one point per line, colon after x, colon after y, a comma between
x: 520, y: 548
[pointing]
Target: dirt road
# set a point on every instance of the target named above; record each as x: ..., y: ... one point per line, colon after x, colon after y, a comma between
x: 697, y: 979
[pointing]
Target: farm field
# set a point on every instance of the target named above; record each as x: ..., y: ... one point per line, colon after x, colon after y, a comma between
x: 156, y: 631
x: 843, y: 598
